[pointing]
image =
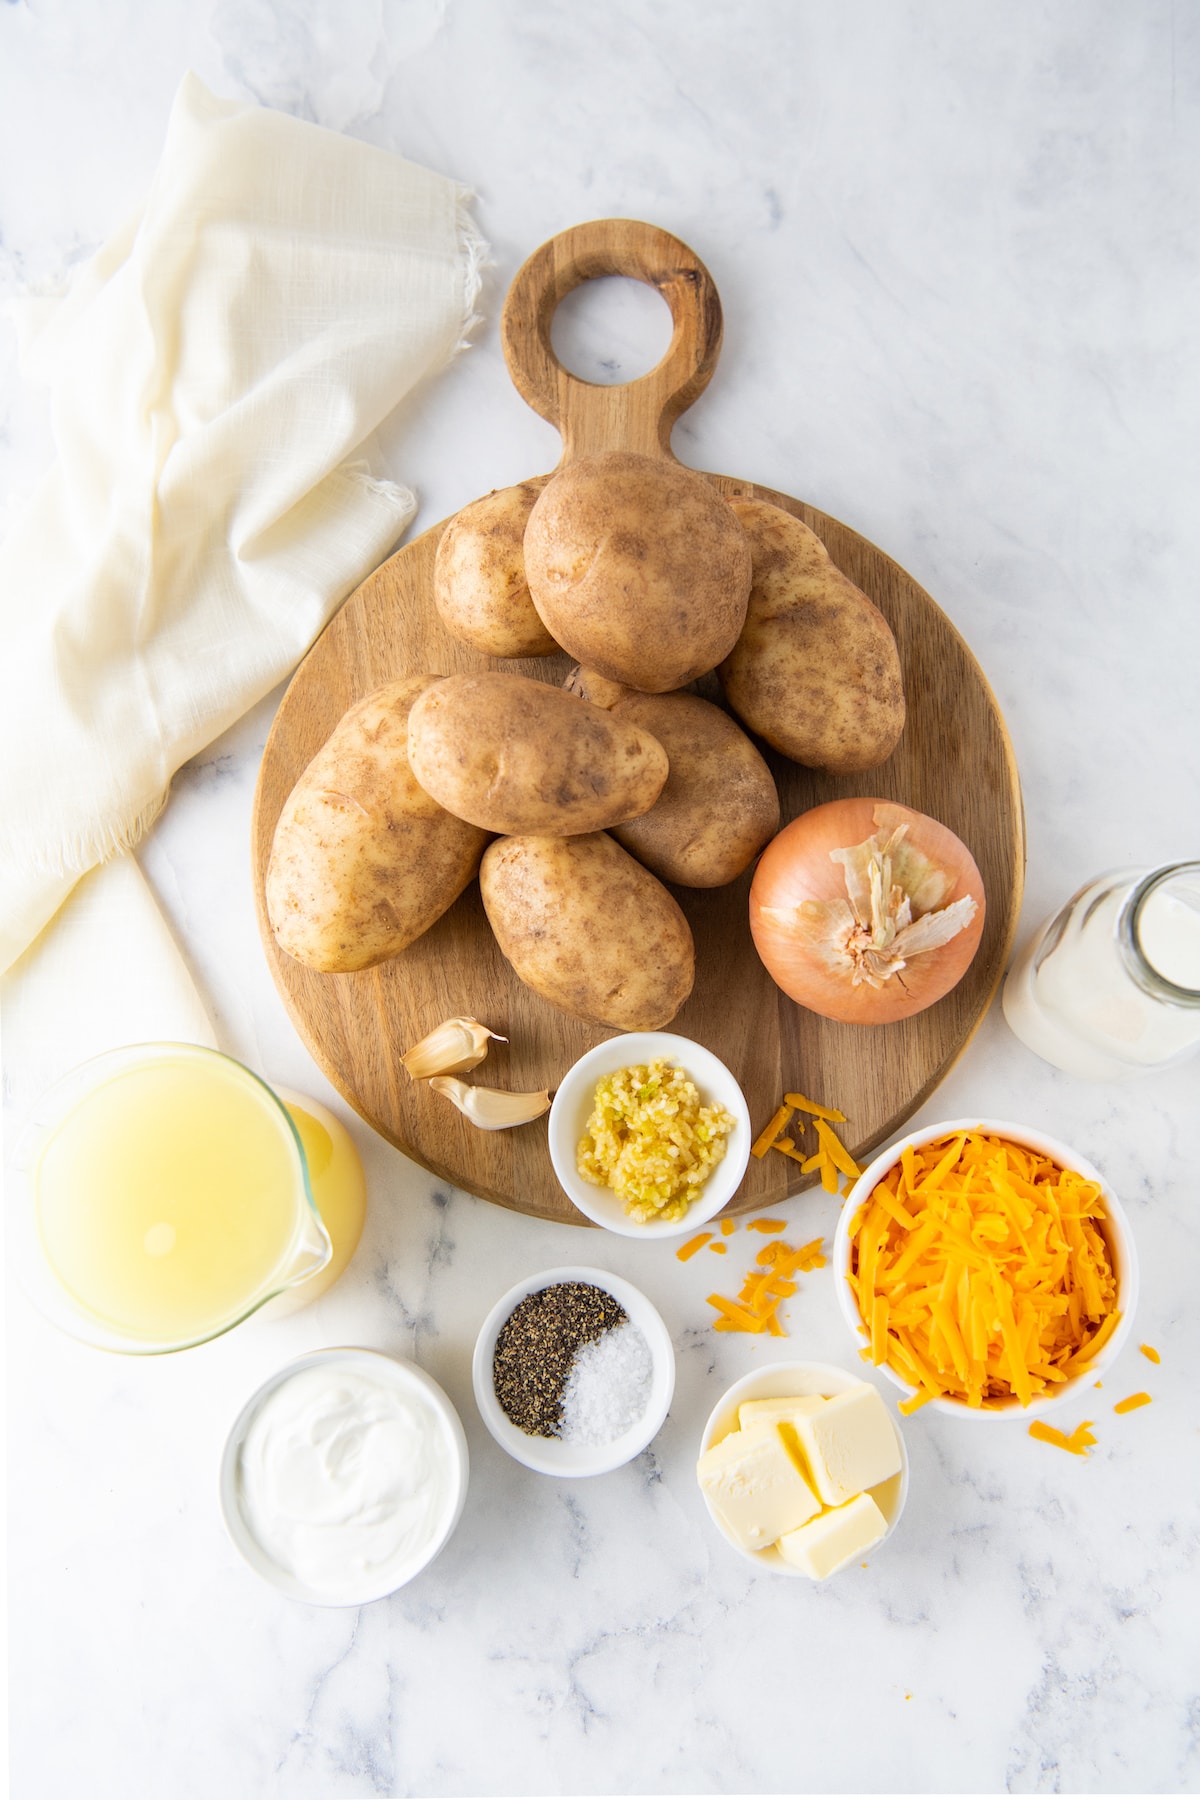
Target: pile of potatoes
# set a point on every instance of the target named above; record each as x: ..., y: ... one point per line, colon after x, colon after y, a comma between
x: 575, y: 804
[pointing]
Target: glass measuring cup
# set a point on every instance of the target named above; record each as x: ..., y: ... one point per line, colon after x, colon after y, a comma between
x: 164, y: 1198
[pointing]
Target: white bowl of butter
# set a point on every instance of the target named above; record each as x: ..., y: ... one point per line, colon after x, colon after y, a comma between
x: 344, y: 1476
x: 808, y: 1489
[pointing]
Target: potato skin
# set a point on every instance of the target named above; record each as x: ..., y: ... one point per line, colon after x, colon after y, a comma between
x: 518, y: 756
x: 720, y: 805
x: 590, y: 930
x: 815, y: 672
x: 639, y: 568
x: 363, y: 861
x: 479, y: 585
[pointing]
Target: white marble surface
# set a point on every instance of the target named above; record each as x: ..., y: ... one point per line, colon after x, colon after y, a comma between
x: 956, y: 248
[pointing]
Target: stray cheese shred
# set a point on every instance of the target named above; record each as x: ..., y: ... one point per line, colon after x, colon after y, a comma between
x: 1150, y: 1353
x: 692, y: 1245
x: 831, y: 1158
x: 981, y: 1272
x: 811, y: 1106
x: 771, y: 1131
x: 1078, y: 1443
x: 756, y: 1308
x: 1131, y: 1402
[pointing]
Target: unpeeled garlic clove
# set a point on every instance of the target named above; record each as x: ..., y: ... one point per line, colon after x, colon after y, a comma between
x: 451, y: 1048
x: 490, y: 1108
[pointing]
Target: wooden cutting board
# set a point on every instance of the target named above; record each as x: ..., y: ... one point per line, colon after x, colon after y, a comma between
x: 954, y: 761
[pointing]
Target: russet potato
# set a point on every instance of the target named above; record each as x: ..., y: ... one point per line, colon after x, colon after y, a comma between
x: 719, y: 806
x: 638, y: 567
x: 589, y: 929
x: 479, y: 585
x: 363, y: 860
x: 815, y: 671
x: 517, y: 756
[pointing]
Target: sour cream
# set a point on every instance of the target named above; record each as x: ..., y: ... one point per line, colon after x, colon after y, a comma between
x: 348, y: 1476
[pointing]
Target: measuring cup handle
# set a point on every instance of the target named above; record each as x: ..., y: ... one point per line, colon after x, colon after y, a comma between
x: 637, y: 415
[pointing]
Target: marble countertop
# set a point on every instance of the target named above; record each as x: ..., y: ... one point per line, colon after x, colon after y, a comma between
x: 956, y: 250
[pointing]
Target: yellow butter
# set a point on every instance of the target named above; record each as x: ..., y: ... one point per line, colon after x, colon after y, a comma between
x: 776, y: 1412
x: 827, y: 1543
x: 847, y: 1445
x: 753, y: 1482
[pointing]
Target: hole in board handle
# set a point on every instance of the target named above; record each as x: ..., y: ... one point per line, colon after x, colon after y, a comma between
x: 611, y: 330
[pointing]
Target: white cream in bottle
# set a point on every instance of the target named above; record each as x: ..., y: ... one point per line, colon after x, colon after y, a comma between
x: 1110, y: 987
x: 347, y: 1478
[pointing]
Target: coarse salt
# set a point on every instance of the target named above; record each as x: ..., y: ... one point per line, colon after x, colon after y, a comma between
x: 608, y: 1388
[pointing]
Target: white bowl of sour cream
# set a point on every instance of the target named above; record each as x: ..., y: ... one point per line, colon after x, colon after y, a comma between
x: 344, y: 1476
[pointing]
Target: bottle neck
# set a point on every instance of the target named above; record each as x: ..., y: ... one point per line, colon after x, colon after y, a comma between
x: 1177, y: 885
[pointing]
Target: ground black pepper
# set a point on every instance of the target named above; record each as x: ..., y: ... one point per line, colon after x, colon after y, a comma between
x: 536, y: 1347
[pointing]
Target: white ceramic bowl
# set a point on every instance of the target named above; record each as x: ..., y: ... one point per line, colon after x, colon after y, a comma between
x: 573, y: 1104
x: 785, y: 1381
x: 1115, y: 1229
x: 551, y: 1456
x: 358, y: 1591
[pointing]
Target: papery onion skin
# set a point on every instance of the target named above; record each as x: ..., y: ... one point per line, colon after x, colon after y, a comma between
x: 796, y: 939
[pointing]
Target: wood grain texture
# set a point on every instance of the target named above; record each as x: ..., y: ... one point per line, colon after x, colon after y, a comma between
x: 954, y: 761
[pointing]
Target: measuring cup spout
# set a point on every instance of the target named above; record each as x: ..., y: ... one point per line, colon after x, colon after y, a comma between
x: 313, y: 1250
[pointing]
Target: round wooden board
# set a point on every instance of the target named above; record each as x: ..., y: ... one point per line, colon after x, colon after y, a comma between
x: 954, y: 761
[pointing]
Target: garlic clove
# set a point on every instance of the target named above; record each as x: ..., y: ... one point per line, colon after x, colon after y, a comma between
x: 490, y: 1108
x: 451, y: 1048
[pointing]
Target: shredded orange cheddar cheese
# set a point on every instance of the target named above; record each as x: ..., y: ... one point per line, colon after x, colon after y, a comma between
x: 720, y: 1249
x: 1131, y: 1402
x: 1078, y: 1443
x: 767, y: 1225
x: 836, y: 1151
x: 1150, y: 1353
x: 909, y: 1406
x: 756, y: 1308
x: 771, y: 1131
x: 727, y: 1227
x: 981, y: 1271
x: 692, y: 1245
x: 831, y: 1158
x: 818, y: 1112
x: 734, y: 1317
x: 785, y: 1261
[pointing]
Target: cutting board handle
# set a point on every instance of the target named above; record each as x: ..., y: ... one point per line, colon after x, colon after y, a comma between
x: 637, y: 415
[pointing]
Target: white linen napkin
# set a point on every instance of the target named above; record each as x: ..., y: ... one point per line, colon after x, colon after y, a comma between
x: 217, y: 371
x: 106, y: 971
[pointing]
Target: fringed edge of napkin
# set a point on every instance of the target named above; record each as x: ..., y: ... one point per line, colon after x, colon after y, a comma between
x: 77, y: 854
x: 479, y: 257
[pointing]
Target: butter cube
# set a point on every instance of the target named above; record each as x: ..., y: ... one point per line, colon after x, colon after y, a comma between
x: 827, y: 1543
x: 776, y: 1412
x: 754, y: 1484
x: 847, y: 1445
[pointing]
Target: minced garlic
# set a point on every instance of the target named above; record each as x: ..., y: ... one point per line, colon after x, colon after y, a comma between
x: 651, y: 1140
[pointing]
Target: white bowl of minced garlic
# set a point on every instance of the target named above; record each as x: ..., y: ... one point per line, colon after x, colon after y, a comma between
x: 649, y: 1135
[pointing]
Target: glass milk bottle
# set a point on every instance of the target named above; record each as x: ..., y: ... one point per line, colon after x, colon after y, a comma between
x: 1110, y: 987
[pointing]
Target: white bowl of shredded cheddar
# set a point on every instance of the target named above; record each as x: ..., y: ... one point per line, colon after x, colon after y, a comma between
x: 985, y: 1268
x: 649, y: 1134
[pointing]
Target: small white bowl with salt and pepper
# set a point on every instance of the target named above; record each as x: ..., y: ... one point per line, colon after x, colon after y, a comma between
x: 572, y: 1109
x: 584, y: 1362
